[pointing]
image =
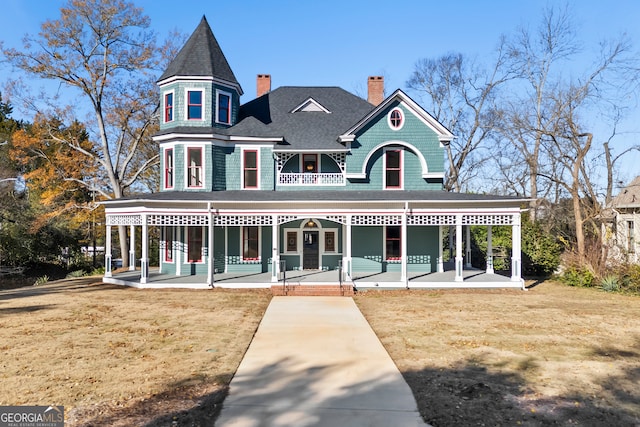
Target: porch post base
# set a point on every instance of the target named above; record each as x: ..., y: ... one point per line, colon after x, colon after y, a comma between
x: 459, y: 269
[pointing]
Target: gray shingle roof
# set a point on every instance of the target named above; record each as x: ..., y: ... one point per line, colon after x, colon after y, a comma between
x: 201, y: 56
x: 323, y: 196
x: 272, y: 116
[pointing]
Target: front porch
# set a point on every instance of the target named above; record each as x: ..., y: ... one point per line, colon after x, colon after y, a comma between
x: 472, y: 278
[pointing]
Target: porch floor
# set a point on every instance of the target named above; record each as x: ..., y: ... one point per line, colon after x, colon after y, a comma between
x: 472, y: 278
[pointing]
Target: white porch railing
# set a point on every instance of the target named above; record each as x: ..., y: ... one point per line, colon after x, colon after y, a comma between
x: 311, y: 179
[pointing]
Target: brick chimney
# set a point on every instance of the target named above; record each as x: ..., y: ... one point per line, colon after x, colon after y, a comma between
x: 375, y: 87
x: 264, y: 84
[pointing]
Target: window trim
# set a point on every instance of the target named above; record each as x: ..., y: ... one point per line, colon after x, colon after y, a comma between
x: 189, y: 242
x: 230, y: 96
x: 296, y: 243
x: 242, y: 242
x: 400, y: 169
x: 631, y: 236
x: 202, y: 104
x: 167, y: 108
x: 392, y: 126
x: 169, y: 170
x: 399, y: 240
x: 187, y: 166
x: 335, y: 241
x: 244, y: 168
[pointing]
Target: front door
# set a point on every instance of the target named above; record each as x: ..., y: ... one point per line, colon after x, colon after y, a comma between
x: 310, y: 250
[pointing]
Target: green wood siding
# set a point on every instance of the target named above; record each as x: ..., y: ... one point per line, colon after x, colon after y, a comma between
x: 413, y: 132
x: 367, y: 250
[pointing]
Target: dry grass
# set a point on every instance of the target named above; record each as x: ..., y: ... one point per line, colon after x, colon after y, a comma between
x: 553, y: 355
x: 117, y: 356
x: 121, y: 356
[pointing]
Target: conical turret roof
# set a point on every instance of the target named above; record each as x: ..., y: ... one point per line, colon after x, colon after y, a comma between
x: 201, y: 56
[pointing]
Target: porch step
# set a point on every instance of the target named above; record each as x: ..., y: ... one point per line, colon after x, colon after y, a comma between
x: 312, y: 290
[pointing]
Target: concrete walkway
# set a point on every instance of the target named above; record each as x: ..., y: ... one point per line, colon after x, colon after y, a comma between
x: 315, y: 361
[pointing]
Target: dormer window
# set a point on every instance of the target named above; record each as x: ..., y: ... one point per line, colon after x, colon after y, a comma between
x: 168, y: 107
x: 224, y: 108
x: 194, y: 105
x: 396, y: 119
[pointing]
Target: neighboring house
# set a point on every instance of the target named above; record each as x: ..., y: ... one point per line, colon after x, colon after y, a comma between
x: 300, y: 178
x: 621, y: 220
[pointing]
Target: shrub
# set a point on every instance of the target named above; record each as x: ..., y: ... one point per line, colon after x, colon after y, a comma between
x: 41, y: 280
x: 76, y: 273
x: 610, y: 283
x: 574, y: 276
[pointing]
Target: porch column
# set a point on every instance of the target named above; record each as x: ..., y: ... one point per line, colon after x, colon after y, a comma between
x: 516, y: 254
x: 210, y: 250
x: 177, y: 249
x: 468, y: 246
x: 107, y: 253
x: 346, y: 263
x: 403, y: 250
x: 275, y: 249
x: 459, y: 260
x: 440, y: 262
x: 144, y: 262
x: 132, y: 248
x: 489, y: 250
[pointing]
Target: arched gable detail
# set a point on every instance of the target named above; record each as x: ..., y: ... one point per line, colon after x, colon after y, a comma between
x: 411, y: 147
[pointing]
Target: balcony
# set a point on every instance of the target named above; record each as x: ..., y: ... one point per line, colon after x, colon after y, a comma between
x: 311, y: 179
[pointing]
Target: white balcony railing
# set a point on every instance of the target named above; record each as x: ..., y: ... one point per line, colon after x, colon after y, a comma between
x: 311, y: 179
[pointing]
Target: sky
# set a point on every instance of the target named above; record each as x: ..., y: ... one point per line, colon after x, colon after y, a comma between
x: 342, y: 42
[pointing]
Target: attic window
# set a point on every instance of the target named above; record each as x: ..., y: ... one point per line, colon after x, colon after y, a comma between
x: 396, y: 119
x: 310, y: 105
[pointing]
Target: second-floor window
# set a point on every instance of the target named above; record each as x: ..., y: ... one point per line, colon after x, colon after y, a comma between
x: 168, y: 107
x: 250, y: 169
x: 194, y: 167
x: 168, y: 168
x: 309, y: 163
x: 224, y: 108
x: 393, y: 169
x: 194, y: 105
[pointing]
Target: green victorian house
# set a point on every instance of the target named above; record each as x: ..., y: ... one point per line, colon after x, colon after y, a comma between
x: 310, y: 183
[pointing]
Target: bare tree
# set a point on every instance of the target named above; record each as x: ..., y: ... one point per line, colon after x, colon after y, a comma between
x: 461, y: 95
x: 103, y: 51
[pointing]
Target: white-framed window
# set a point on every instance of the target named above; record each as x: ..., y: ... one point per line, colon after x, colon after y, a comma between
x: 169, y: 99
x: 395, y: 119
x: 250, y: 168
x: 194, y: 104
x: 224, y: 106
x: 168, y: 168
x: 169, y: 236
x: 195, y: 167
x: 194, y: 244
x: 291, y: 244
x: 393, y: 168
x: 251, y: 243
x: 392, y: 242
x: 330, y: 237
x: 631, y: 237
